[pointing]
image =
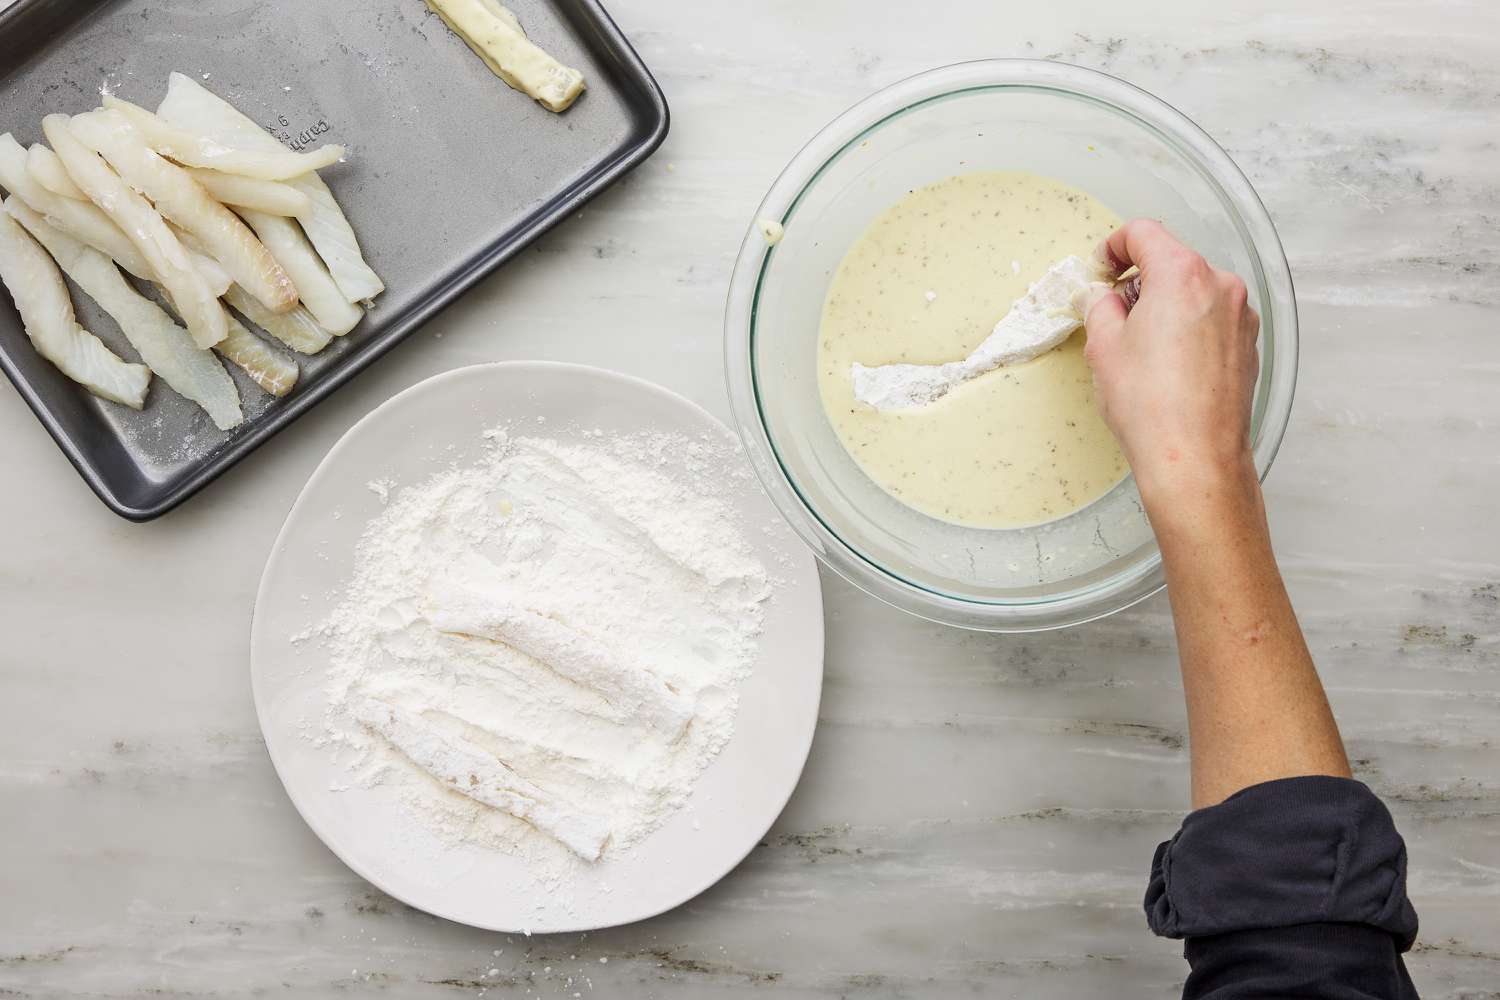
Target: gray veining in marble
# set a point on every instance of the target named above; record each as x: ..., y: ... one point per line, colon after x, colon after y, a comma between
x: 978, y: 812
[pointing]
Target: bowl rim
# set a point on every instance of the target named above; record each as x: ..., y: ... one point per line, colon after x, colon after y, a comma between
x: 1277, y: 304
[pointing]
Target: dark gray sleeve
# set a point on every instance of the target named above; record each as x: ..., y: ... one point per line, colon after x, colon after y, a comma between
x: 1294, y: 887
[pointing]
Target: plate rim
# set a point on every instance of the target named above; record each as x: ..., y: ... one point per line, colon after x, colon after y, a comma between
x: 260, y: 696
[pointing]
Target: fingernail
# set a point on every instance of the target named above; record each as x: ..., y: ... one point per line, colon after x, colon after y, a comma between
x: 1103, y: 261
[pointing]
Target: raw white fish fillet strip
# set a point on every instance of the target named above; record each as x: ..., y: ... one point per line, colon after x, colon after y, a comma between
x: 146, y: 229
x: 470, y: 770
x: 189, y: 105
x: 166, y: 348
x: 247, y: 192
x: 194, y: 149
x: 215, y: 276
x: 1037, y: 322
x: 296, y: 329
x: 315, y: 287
x: 460, y: 607
x: 182, y: 200
x: 82, y: 220
x: 47, y: 170
x: 269, y: 368
x: 266, y: 368
x: 41, y: 298
x: 334, y: 239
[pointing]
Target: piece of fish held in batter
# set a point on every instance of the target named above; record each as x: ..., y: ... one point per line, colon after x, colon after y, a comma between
x: 1037, y: 322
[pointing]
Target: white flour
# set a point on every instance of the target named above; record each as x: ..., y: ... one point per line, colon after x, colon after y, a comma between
x: 1040, y: 320
x: 542, y: 651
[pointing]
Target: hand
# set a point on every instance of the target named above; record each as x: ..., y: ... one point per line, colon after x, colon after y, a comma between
x: 1175, y: 373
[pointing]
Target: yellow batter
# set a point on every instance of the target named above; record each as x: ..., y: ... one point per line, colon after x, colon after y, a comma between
x: 925, y: 284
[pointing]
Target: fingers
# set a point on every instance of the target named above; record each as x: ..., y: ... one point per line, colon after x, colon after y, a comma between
x: 1105, y: 319
x: 1250, y: 324
x: 1086, y: 297
x: 1141, y: 243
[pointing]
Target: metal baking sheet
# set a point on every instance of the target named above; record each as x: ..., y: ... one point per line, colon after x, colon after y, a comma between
x: 449, y: 174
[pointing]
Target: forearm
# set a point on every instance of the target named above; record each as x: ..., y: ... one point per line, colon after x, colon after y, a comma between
x: 1256, y: 709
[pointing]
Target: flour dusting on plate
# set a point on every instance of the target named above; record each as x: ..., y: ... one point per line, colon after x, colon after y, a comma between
x: 542, y: 650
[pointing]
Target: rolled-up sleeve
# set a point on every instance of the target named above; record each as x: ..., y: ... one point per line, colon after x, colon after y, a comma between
x: 1294, y: 887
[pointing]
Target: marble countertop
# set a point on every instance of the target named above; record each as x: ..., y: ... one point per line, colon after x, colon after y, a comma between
x: 979, y: 812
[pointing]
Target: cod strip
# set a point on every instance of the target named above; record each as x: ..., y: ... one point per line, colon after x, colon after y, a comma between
x: 41, y: 298
x: 194, y: 149
x: 463, y: 766
x: 460, y: 608
x: 315, y: 287
x: 189, y: 105
x: 47, y: 170
x: 181, y: 199
x: 296, y: 329
x: 272, y: 197
x: 82, y: 220
x: 495, y: 35
x: 166, y: 348
x: 146, y: 229
x: 268, y: 367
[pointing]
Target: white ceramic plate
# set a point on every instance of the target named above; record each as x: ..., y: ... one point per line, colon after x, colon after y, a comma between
x: 410, y: 437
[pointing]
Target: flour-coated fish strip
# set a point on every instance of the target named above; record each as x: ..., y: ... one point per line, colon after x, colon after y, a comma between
x: 166, y: 348
x: 41, y: 298
x: 195, y: 149
x: 164, y: 253
x: 190, y: 105
x: 296, y: 329
x: 184, y: 201
x: 463, y: 766
x: 315, y: 287
x: 463, y: 609
x: 273, y: 197
x: 82, y: 220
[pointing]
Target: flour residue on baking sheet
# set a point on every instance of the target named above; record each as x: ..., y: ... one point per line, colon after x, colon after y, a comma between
x: 542, y: 650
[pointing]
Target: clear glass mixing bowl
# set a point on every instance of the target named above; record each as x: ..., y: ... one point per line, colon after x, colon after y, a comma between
x: 1125, y: 147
